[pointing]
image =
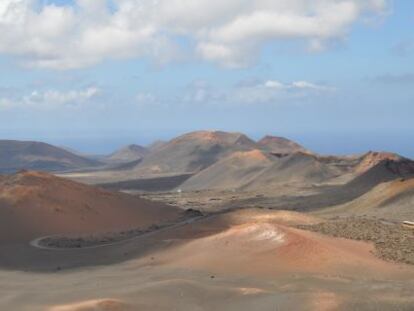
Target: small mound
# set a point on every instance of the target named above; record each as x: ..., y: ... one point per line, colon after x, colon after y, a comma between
x: 253, y: 232
x: 275, y: 249
x: 93, y: 305
x: 275, y: 217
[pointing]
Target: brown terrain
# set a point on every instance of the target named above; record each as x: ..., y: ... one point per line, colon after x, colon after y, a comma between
x: 212, y: 221
x: 35, y: 204
x: 234, y: 261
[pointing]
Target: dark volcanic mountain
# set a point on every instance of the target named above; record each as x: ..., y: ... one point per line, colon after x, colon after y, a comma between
x: 297, y: 168
x: 257, y: 170
x: 232, y: 172
x: 372, y: 158
x: 221, y: 160
x: 193, y: 152
x: 17, y: 155
x: 376, y: 168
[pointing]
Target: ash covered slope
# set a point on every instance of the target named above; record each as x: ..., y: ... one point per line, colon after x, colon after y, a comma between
x: 232, y: 172
x: 386, y: 188
x: 302, y: 168
x: 377, y: 167
x: 33, y: 204
x: 17, y: 155
x: 258, y: 170
x: 391, y: 200
x: 193, y: 152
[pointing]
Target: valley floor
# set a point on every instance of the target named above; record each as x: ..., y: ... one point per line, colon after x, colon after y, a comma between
x: 249, y: 259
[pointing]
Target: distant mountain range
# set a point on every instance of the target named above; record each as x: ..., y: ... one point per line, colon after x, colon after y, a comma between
x: 210, y: 160
x: 17, y: 155
x: 198, y: 161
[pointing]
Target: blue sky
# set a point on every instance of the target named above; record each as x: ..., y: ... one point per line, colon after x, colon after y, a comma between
x: 337, y: 76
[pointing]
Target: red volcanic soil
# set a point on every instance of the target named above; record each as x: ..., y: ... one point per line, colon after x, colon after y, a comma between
x: 35, y: 204
x: 265, y: 244
x: 251, y: 155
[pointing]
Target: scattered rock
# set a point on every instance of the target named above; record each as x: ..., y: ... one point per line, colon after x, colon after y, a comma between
x: 193, y: 213
x: 392, y: 241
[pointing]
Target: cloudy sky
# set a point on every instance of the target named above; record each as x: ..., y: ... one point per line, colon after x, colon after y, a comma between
x: 335, y: 75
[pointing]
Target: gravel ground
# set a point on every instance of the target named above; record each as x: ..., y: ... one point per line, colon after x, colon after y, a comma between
x: 393, y: 242
x: 111, y: 237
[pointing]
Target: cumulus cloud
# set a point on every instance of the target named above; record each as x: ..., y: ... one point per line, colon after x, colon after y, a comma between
x: 50, y: 99
x: 296, y: 85
x: 273, y: 91
x: 230, y: 33
x: 252, y: 92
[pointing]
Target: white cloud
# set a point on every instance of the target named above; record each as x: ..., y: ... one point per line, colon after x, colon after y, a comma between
x: 274, y: 84
x: 50, y: 99
x: 264, y: 92
x: 230, y: 32
x: 276, y: 92
x: 296, y: 85
x: 311, y: 86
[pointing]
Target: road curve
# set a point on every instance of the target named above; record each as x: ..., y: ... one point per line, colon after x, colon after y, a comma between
x: 37, y: 242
